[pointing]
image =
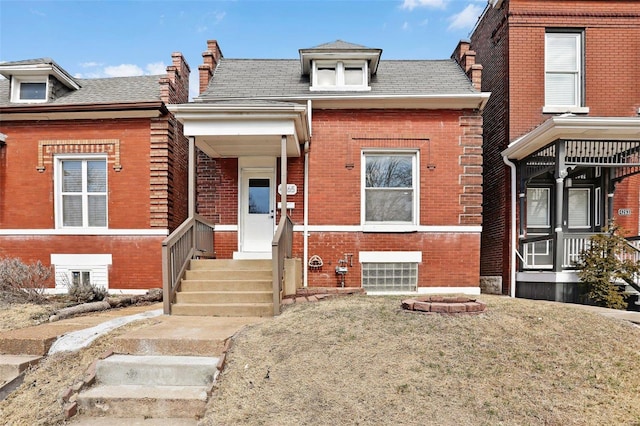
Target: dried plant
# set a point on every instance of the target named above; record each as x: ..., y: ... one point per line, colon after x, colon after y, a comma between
x: 21, y: 282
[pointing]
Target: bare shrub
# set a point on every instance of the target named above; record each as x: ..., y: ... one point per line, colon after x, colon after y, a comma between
x: 86, y: 292
x: 21, y: 282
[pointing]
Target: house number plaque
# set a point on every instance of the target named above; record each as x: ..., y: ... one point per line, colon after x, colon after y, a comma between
x: 292, y: 189
x: 624, y: 212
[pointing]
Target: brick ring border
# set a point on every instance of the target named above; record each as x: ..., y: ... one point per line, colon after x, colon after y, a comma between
x: 457, y: 305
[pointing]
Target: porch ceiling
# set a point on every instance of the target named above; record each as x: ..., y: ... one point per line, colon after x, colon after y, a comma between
x: 229, y: 146
x: 577, y: 128
x: 237, y: 128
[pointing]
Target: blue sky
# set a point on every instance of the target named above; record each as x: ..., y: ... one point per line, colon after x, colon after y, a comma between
x: 100, y: 38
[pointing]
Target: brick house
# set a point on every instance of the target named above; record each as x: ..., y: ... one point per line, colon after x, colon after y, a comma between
x: 92, y: 172
x: 374, y: 166
x: 562, y: 137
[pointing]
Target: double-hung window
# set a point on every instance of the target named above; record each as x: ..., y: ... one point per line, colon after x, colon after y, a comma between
x: 538, y: 254
x: 81, y: 186
x: 340, y: 76
x: 390, y: 188
x: 564, y: 72
x: 579, y: 215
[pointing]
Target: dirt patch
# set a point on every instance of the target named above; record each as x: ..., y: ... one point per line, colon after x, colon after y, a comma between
x: 363, y: 360
x: 21, y: 315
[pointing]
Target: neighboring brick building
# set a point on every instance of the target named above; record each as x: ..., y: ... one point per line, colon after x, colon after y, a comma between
x: 562, y: 136
x: 93, y: 172
x: 382, y: 161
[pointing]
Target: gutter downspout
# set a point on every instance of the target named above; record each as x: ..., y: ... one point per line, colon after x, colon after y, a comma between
x: 514, y: 242
x: 305, y: 230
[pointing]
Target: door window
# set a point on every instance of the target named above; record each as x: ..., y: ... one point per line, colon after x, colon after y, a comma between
x: 259, y: 191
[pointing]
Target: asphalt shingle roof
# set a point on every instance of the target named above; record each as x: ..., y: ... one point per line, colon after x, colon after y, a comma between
x: 281, y: 78
x: 94, y: 91
x: 338, y: 45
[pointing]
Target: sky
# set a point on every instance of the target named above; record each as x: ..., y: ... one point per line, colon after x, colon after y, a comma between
x: 109, y: 38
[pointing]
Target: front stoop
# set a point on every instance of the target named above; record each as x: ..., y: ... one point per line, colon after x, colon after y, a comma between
x: 226, y: 288
x: 150, y: 386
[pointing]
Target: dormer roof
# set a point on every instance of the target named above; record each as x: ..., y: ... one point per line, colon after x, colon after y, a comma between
x: 340, y: 51
x: 38, y: 67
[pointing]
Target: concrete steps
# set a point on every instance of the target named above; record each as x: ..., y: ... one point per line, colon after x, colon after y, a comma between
x: 224, y: 309
x: 12, y: 365
x: 11, y: 369
x: 226, y: 288
x: 150, y: 386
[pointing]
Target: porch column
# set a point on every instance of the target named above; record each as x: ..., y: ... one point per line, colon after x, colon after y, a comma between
x: 283, y: 177
x: 561, y: 174
x: 191, y: 188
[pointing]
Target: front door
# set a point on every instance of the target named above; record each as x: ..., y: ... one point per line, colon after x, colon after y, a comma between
x: 257, y: 219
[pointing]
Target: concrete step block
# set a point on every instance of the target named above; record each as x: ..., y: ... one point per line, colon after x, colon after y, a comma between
x: 12, y: 365
x: 224, y: 310
x: 25, y: 345
x: 228, y: 274
x: 225, y: 285
x: 231, y: 264
x: 154, y: 370
x: 145, y: 401
x: 218, y: 297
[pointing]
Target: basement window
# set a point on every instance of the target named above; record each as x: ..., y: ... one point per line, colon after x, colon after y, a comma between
x: 390, y: 271
x: 392, y: 277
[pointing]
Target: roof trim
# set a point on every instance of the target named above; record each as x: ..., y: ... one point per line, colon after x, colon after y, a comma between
x: 346, y: 53
x: 79, y: 111
x: 442, y: 101
x: 573, y: 127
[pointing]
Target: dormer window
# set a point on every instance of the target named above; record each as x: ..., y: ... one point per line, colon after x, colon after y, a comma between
x: 33, y: 91
x: 340, y: 75
x: 34, y: 81
x: 28, y: 91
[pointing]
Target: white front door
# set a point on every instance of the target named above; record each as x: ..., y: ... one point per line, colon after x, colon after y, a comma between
x: 257, y: 210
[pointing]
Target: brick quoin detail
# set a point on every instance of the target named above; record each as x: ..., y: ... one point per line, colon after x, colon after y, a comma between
x: 471, y: 177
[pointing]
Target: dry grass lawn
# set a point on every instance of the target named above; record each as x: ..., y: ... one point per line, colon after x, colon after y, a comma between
x: 362, y: 360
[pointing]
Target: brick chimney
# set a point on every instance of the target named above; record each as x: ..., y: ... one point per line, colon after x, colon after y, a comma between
x: 175, y: 86
x: 211, y: 59
x: 466, y: 58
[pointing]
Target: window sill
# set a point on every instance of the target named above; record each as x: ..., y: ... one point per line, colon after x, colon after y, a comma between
x: 390, y: 228
x: 564, y: 109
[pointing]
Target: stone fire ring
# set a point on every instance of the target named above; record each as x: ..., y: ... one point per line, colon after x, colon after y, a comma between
x: 456, y: 305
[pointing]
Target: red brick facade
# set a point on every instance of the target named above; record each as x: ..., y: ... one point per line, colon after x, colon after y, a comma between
x: 450, y: 170
x: 509, y: 43
x: 146, y: 181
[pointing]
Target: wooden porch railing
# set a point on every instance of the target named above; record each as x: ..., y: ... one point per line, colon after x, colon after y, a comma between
x: 281, y: 248
x: 193, y: 237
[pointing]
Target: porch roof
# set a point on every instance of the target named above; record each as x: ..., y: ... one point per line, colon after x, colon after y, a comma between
x: 576, y: 128
x: 245, y: 127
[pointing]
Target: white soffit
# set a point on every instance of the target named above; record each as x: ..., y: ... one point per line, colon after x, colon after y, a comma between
x: 573, y: 127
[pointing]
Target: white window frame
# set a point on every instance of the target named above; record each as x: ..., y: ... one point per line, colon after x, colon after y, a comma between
x: 588, y: 225
x: 548, y: 196
x: 578, y: 73
x: 16, y: 83
x: 340, y: 84
x: 391, y: 226
x: 59, y: 159
x: 96, y: 264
